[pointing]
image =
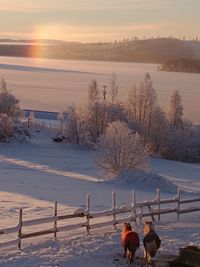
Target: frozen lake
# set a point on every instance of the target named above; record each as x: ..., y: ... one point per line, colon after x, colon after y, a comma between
x: 47, y: 84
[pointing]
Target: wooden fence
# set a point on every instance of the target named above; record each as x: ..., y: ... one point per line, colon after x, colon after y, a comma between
x: 137, y: 210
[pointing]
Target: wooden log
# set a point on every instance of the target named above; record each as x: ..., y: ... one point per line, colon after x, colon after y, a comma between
x: 39, y: 233
x: 70, y: 216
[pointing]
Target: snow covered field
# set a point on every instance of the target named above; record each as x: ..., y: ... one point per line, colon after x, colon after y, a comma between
x: 35, y: 174
x: 46, y: 84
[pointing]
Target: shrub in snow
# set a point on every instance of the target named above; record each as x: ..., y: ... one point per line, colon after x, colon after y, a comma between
x: 10, y: 131
x: 6, y: 126
x: 120, y: 150
x: 182, y: 144
x: 20, y: 133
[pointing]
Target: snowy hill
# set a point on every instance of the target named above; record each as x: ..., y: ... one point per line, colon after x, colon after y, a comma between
x: 35, y: 174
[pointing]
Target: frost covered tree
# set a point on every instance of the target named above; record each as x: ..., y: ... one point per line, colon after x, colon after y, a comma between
x: 141, y: 105
x: 182, y: 144
x: 75, y: 125
x: 176, y: 111
x: 158, y: 131
x: 94, y: 113
x: 115, y: 112
x: 9, y: 111
x: 120, y: 150
x: 9, y: 104
x: 113, y: 88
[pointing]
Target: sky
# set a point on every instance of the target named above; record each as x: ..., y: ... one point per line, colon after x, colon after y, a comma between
x: 98, y: 20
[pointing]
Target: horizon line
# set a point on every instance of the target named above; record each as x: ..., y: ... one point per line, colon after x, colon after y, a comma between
x: 135, y: 38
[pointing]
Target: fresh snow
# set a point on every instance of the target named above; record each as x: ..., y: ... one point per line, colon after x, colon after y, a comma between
x: 36, y: 173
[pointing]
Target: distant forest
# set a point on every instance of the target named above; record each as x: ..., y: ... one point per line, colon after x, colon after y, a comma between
x: 160, y: 50
x: 182, y: 65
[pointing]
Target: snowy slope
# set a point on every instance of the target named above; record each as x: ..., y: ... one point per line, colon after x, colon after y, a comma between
x: 185, y: 175
x: 35, y: 174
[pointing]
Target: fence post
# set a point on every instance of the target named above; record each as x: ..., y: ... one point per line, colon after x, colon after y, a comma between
x: 178, y: 202
x: 114, y: 208
x: 88, y: 213
x: 158, y: 200
x: 20, y: 230
x: 134, y: 204
x: 55, y: 223
x: 141, y: 211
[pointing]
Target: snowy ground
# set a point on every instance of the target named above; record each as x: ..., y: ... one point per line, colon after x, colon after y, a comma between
x: 33, y: 175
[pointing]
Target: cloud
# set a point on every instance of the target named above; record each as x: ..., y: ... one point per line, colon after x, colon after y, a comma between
x: 77, y: 5
x: 20, y: 6
x: 88, y: 33
x: 15, y: 34
x: 84, y: 33
x: 94, y: 20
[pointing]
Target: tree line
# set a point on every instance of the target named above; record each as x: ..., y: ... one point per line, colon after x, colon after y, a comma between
x: 123, y: 133
x: 182, y: 65
x: 154, y: 50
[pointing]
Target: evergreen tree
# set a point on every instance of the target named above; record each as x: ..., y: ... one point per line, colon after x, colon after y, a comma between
x: 176, y: 111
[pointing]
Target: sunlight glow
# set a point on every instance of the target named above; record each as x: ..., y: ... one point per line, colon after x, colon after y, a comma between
x: 95, y: 20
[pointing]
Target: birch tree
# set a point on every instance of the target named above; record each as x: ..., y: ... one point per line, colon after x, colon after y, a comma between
x: 113, y: 88
x: 141, y: 104
x: 75, y: 125
x: 94, y: 113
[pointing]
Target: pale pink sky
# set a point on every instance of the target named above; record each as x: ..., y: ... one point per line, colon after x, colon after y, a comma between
x: 98, y: 20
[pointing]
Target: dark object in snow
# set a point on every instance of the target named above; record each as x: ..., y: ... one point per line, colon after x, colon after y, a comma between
x: 190, y: 255
x: 58, y: 139
x: 165, y: 260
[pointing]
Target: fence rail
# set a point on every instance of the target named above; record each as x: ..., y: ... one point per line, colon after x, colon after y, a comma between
x: 137, y: 210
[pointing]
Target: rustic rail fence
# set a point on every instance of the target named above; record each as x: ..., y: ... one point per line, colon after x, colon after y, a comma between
x: 137, y: 210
